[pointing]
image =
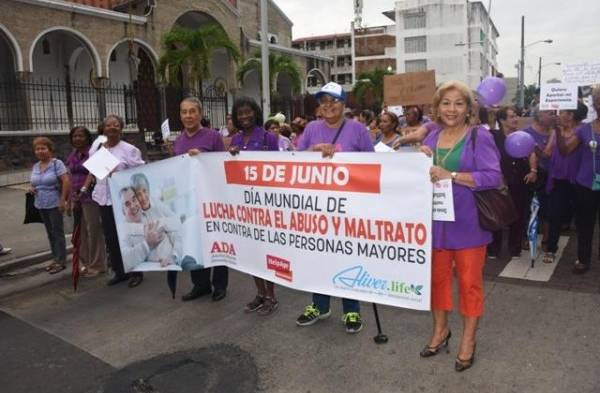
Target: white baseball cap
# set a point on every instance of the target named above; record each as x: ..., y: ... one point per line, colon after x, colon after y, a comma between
x: 332, y: 89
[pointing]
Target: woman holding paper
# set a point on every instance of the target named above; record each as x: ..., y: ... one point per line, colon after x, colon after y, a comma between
x: 587, y: 183
x: 468, y: 157
x: 92, y: 251
x: 247, y: 118
x: 51, y: 186
x: 128, y: 156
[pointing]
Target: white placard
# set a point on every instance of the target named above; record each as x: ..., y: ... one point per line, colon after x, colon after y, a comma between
x: 383, y: 148
x: 443, y: 201
x: 101, y: 163
x: 583, y: 74
x: 165, y: 129
x: 396, y: 110
x: 555, y: 96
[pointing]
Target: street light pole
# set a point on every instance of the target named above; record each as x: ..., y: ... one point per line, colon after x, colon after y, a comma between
x: 522, y: 68
x: 264, y: 46
x: 540, y: 74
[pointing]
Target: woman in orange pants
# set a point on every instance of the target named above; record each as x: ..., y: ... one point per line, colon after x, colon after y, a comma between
x: 467, y: 155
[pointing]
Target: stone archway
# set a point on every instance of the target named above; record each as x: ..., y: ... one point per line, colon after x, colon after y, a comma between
x: 314, y: 80
x: 11, y: 59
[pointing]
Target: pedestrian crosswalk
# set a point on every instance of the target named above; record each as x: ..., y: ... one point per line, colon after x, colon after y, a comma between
x: 520, y: 268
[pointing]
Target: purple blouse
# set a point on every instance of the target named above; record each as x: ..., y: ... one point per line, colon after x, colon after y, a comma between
x: 541, y: 140
x: 585, y: 172
x: 259, y: 140
x: 563, y: 167
x: 353, y: 137
x: 483, y: 161
x: 78, y: 174
x: 205, y: 140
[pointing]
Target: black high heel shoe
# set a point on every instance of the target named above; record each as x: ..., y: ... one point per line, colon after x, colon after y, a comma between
x: 432, y: 351
x: 462, y: 365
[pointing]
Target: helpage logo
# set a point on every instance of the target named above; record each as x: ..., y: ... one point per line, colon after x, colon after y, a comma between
x: 357, y: 278
x: 223, y: 252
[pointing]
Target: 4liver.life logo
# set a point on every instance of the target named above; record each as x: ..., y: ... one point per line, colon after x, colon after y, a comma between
x: 357, y: 278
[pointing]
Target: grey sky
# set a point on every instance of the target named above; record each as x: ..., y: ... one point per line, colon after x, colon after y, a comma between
x: 574, y: 25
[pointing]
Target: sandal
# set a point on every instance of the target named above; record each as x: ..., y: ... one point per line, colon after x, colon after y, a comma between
x: 269, y: 305
x: 51, y: 266
x: 580, y: 268
x: 549, y: 257
x: 57, y: 268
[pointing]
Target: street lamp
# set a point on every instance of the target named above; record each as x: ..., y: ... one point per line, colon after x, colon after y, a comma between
x: 522, y: 63
x: 540, y: 70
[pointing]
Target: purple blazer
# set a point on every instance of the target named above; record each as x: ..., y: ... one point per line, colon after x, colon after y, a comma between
x: 483, y: 161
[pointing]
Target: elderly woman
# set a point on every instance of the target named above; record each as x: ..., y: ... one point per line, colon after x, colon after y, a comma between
x: 129, y: 156
x: 51, y: 185
x: 332, y: 134
x: 92, y: 251
x: 247, y: 117
x: 518, y: 173
x: 587, y: 183
x: 387, y: 123
x: 467, y: 156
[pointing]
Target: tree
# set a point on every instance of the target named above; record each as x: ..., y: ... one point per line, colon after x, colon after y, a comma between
x: 369, y: 87
x: 531, y: 94
x: 194, y: 48
x: 278, y: 64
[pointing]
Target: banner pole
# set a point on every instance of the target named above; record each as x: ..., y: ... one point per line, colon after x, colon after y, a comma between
x: 380, y: 338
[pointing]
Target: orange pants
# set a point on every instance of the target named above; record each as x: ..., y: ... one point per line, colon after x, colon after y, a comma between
x: 468, y: 263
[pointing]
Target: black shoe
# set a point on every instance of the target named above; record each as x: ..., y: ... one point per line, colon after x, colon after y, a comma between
x: 135, y: 280
x: 117, y: 278
x: 195, y: 293
x: 432, y: 351
x: 462, y: 365
x: 219, y: 294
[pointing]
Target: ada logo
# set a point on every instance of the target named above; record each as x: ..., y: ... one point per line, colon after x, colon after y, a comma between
x: 223, y: 248
x: 358, y: 278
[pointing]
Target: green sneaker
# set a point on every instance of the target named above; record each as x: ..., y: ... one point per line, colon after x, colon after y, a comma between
x: 353, y: 322
x: 311, y: 315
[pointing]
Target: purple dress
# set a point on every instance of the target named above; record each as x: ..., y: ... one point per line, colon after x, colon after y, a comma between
x: 483, y: 161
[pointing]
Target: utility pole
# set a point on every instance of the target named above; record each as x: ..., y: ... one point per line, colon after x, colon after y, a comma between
x: 264, y: 46
x: 540, y: 74
x: 522, y: 68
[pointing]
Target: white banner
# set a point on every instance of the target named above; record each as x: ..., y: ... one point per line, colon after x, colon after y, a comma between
x: 355, y: 226
x: 582, y: 74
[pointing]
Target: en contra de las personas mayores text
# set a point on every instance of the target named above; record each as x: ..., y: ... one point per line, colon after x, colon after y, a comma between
x: 312, y: 222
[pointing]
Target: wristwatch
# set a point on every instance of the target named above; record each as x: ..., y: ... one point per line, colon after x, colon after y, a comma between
x: 453, y: 175
x: 83, y: 189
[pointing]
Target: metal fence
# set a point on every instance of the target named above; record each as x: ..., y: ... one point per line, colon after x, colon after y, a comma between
x: 55, y: 105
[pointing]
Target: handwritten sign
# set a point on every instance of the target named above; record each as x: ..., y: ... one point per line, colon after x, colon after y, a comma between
x: 584, y: 74
x: 443, y: 201
x: 412, y: 88
x: 555, y: 96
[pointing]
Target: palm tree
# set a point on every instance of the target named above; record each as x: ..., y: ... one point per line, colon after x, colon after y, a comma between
x: 278, y: 64
x: 194, y: 48
x: 368, y: 89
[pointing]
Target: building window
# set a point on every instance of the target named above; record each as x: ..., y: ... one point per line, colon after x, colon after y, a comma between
x: 415, y: 65
x: 340, y: 43
x: 113, y: 56
x: 329, y: 44
x: 414, y: 20
x: 349, y: 79
x: 322, y: 45
x: 46, y: 46
x: 341, y: 60
x: 415, y: 44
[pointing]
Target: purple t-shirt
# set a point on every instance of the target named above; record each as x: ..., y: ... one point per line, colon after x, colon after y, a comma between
x: 259, y: 140
x: 78, y: 174
x: 585, y: 173
x: 541, y: 140
x: 205, y: 140
x: 353, y: 137
x: 564, y: 167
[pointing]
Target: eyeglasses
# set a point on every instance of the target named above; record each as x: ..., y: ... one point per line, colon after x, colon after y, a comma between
x: 328, y: 101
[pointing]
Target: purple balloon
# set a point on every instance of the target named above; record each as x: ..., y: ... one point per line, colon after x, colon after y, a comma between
x: 519, y: 144
x: 491, y: 91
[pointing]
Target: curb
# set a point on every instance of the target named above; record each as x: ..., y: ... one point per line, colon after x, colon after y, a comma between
x: 28, y: 260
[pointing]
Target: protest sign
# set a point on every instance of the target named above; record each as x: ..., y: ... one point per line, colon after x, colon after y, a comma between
x: 583, y: 74
x: 101, y: 163
x: 412, y: 88
x: 555, y: 96
x: 330, y: 226
x: 443, y: 201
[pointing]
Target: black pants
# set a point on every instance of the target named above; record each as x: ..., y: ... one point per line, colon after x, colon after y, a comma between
x: 519, y: 193
x: 220, y: 278
x: 560, y: 205
x: 112, y: 241
x: 586, y: 214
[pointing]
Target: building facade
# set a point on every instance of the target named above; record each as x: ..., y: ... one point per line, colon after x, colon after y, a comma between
x: 68, y: 63
x: 456, y: 38
x: 338, y: 47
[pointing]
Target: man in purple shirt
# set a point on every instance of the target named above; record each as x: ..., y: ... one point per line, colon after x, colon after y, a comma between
x: 334, y: 133
x: 194, y: 140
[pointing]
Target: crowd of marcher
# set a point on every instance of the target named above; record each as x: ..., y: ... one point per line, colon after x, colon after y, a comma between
x: 465, y: 140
